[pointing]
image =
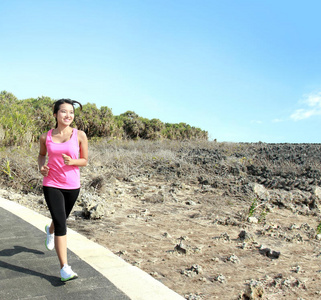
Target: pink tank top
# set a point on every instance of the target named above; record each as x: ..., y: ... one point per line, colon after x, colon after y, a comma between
x: 60, y: 175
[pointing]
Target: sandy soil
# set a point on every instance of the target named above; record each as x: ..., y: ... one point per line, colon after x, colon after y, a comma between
x: 189, y: 237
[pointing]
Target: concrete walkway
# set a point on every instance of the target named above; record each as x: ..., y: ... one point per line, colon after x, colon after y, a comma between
x: 29, y: 271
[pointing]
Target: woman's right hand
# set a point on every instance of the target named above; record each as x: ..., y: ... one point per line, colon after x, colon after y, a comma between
x: 44, y: 170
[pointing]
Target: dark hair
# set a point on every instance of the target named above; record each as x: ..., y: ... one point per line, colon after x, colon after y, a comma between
x: 57, y: 104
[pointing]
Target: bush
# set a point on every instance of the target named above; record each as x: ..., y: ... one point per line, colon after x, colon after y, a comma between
x: 29, y: 118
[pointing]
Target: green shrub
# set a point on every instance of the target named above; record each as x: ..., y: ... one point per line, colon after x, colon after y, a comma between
x: 29, y: 118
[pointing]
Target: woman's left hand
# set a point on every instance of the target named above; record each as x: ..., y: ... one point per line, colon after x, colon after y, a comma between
x: 67, y: 159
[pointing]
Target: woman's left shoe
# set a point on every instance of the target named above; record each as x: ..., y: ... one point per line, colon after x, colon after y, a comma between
x: 67, y: 274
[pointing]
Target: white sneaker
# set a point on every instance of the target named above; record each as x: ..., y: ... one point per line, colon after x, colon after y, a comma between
x: 50, y: 240
x: 67, y: 274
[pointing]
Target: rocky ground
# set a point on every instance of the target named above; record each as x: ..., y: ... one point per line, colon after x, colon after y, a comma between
x: 209, y: 220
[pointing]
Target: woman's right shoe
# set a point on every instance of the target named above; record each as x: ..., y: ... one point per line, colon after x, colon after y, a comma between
x: 50, y: 239
x: 67, y: 274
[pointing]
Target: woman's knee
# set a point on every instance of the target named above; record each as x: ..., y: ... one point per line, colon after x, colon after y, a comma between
x: 60, y: 228
x: 60, y: 231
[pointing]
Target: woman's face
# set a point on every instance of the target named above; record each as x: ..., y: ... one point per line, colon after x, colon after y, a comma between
x: 65, y: 114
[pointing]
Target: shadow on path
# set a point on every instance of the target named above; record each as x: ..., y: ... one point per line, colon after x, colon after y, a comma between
x: 17, y: 250
x: 54, y: 280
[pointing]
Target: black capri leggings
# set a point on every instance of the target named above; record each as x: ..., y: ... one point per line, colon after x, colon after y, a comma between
x: 60, y: 203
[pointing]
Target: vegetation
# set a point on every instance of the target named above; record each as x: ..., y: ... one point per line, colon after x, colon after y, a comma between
x: 319, y: 228
x: 252, y: 207
x: 22, y: 121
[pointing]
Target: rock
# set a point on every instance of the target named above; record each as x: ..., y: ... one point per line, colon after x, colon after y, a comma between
x: 269, y: 253
x: 254, y: 291
x: 294, y: 226
x: 183, y: 186
x: 121, y: 252
x: 220, y: 278
x: 295, y: 238
x: 155, y: 274
x: 234, y: 259
x: 190, y: 202
x: 132, y: 216
x: 14, y: 197
x: 261, y: 192
x: 281, y: 198
x: 297, y: 269
x: 227, y: 221
x: 181, y: 248
x: 131, y: 178
x: 93, y: 207
x: 245, y: 236
x: 253, y: 220
x: 224, y: 236
x: 166, y: 235
x: 193, y: 297
x: 197, y: 269
x: 78, y: 213
x: 97, y: 182
x: 316, y: 190
x: 94, y: 211
x: 192, y: 271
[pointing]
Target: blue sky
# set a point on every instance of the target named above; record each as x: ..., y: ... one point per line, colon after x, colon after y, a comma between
x: 245, y: 71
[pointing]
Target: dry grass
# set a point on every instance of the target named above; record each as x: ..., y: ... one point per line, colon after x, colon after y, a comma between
x: 158, y: 193
x: 196, y: 161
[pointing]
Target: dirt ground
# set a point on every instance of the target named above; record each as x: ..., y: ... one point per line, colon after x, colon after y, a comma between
x: 190, y: 238
x: 209, y: 220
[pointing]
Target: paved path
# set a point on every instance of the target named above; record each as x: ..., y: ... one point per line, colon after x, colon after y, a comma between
x: 29, y: 271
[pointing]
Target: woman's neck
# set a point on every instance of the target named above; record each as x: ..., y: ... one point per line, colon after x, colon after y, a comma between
x: 62, y: 129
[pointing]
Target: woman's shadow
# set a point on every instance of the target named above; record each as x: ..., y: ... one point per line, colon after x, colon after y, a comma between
x: 54, y: 280
x: 17, y: 250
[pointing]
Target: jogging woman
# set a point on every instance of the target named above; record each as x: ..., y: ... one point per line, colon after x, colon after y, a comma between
x: 67, y: 150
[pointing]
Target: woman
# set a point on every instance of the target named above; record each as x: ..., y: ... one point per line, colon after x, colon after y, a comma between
x: 67, y: 150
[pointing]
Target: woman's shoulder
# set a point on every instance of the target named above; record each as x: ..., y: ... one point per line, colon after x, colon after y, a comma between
x: 43, y: 137
x: 81, y: 134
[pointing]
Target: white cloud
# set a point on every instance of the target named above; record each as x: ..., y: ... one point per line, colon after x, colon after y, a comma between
x: 256, y: 122
x: 313, y: 103
x: 314, y: 100
x: 277, y: 121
